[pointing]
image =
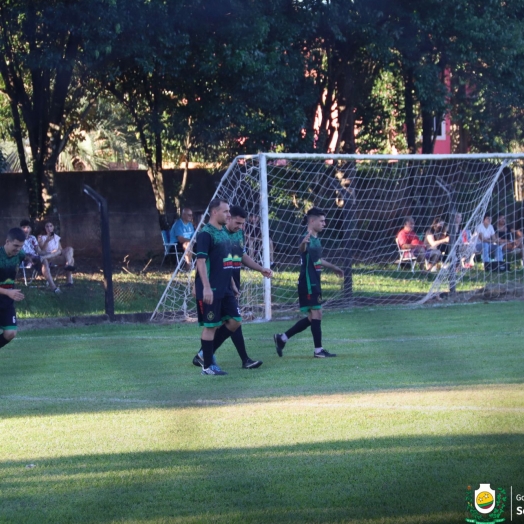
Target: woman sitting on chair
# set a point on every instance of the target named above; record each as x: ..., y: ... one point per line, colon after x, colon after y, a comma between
x: 54, y: 253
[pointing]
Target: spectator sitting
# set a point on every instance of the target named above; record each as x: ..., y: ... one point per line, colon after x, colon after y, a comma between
x: 53, y: 252
x: 509, y: 239
x: 33, y: 256
x: 182, y: 232
x: 436, y: 236
x: 408, y: 239
x: 488, y: 243
x: 466, y: 249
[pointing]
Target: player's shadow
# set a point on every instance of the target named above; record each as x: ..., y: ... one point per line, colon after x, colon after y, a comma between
x: 404, y: 479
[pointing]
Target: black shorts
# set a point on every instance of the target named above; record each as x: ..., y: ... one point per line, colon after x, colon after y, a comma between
x: 8, y: 317
x: 308, y: 301
x: 220, y: 310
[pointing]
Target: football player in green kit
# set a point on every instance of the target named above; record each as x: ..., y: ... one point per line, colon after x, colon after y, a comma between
x: 11, y: 256
x: 309, y: 286
x: 234, y: 228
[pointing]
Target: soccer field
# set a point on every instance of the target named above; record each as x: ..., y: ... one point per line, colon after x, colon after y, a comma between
x: 113, y: 423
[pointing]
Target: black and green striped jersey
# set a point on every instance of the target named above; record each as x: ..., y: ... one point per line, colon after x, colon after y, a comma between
x: 214, y: 245
x: 238, y: 249
x: 311, y: 267
x: 8, y: 268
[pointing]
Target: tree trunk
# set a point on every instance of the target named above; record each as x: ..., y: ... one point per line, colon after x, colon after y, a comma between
x: 427, y: 133
x: 410, y: 114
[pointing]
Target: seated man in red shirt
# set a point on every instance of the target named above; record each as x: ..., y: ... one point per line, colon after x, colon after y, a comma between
x: 408, y: 239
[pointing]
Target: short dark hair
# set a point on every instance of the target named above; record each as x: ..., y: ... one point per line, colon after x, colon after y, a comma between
x: 24, y: 222
x: 313, y: 212
x: 216, y: 203
x: 237, y: 211
x: 16, y: 234
x: 487, y: 215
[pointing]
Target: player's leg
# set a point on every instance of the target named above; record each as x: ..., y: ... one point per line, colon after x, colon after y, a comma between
x: 209, y: 319
x: 315, y: 315
x: 240, y: 345
x: 230, y: 320
x: 281, y: 338
x: 7, y: 325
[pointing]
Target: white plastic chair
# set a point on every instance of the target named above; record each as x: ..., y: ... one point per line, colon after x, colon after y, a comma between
x: 405, y: 256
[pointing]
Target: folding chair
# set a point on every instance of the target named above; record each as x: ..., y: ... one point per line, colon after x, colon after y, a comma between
x: 170, y: 248
x: 27, y: 267
x: 405, y: 256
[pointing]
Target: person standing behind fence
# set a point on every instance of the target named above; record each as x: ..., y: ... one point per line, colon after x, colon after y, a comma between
x: 309, y: 288
x: 11, y: 256
x: 54, y: 253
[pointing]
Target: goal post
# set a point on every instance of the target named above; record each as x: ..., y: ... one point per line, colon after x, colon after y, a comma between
x: 366, y: 199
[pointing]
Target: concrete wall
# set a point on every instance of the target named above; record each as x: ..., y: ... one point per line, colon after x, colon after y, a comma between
x: 134, y: 224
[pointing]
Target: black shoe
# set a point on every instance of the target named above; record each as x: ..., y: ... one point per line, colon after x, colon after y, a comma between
x: 324, y: 354
x: 251, y: 364
x: 279, y: 343
x: 198, y: 361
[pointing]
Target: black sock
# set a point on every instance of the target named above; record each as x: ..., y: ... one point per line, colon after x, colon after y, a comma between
x: 207, y: 350
x: 300, y: 326
x: 3, y: 341
x: 238, y: 339
x: 221, y: 335
x: 316, y: 331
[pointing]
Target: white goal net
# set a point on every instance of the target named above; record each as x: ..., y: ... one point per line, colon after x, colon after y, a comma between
x: 366, y: 200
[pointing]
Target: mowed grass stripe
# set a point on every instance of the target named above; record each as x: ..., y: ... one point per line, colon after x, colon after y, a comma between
x: 107, y: 424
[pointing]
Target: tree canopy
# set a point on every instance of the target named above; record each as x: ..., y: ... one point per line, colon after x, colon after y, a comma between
x: 206, y: 80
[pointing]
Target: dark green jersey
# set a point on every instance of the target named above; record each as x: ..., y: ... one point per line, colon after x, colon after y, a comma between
x: 311, y: 266
x: 8, y: 268
x: 238, y: 249
x: 214, y: 246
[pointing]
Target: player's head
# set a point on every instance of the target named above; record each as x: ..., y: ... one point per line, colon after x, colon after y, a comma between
x: 219, y: 211
x: 14, y: 241
x: 487, y: 219
x: 315, y: 219
x: 25, y: 226
x: 237, y: 219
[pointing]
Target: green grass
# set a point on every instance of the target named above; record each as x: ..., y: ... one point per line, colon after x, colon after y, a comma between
x: 137, y: 293
x: 113, y: 424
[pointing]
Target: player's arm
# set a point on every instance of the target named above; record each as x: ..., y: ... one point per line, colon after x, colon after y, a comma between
x: 251, y: 264
x: 203, y: 244
x: 234, y: 288
x: 303, y: 245
x: 202, y: 271
x: 13, y: 294
x: 334, y: 268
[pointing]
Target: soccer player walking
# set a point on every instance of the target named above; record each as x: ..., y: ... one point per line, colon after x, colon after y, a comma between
x: 216, y: 303
x: 238, y: 251
x: 309, y: 287
x: 11, y: 256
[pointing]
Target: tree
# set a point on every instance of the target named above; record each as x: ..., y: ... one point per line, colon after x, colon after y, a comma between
x: 48, y: 49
